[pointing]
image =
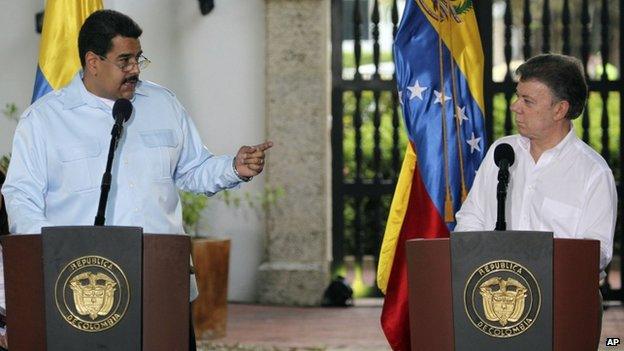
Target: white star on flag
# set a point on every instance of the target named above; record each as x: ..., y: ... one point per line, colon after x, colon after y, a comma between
x: 474, y: 143
x: 416, y: 90
x: 438, y: 99
x: 400, y: 97
x: 461, y: 115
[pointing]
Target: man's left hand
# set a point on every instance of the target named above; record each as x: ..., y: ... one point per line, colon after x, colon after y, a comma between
x: 250, y: 159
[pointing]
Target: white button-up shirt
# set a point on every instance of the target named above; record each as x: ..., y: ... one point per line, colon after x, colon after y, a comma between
x: 570, y: 191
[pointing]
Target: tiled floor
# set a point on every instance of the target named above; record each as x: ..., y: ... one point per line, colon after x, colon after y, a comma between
x: 254, y: 327
x: 613, y: 326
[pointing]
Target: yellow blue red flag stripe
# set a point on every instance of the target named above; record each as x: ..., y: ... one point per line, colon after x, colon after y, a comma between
x: 439, y: 69
x: 58, y: 52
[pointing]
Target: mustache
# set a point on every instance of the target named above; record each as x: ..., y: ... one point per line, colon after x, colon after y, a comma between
x: 131, y: 79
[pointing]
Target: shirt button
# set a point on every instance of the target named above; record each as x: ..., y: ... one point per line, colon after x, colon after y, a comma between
x: 136, y: 209
x: 131, y: 184
x: 125, y: 161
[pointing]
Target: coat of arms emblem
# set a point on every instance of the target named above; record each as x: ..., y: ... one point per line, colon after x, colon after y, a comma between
x: 441, y: 10
x: 502, y: 299
x: 92, y: 293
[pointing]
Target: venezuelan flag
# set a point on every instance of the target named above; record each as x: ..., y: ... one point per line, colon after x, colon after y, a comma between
x: 439, y: 69
x: 58, y: 54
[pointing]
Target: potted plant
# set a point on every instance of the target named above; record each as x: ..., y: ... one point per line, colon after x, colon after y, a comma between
x: 211, y: 263
x: 10, y: 111
x: 211, y: 255
x: 4, y: 163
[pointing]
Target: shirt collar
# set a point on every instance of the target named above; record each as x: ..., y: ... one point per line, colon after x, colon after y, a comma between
x: 525, y: 143
x: 76, y: 94
x: 569, y: 138
x: 140, y: 90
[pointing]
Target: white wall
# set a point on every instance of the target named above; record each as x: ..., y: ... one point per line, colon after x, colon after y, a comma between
x: 19, y: 50
x: 215, y: 65
x: 220, y: 60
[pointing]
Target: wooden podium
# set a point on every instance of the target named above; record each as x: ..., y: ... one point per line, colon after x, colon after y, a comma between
x: 164, y: 296
x: 575, y: 300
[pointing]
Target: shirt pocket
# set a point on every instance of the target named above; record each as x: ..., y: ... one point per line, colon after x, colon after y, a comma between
x: 563, y: 218
x: 79, y: 166
x: 160, y: 150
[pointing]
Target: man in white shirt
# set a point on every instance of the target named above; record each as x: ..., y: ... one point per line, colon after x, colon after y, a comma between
x: 557, y: 182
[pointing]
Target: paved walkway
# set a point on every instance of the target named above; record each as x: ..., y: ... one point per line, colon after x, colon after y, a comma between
x: 272, y: 328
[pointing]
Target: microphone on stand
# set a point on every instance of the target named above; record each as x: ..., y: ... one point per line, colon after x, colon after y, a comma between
x: 504, y: 157
x: 122, y: 109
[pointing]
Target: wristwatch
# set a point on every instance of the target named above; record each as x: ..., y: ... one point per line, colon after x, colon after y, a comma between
x: 244, y: 179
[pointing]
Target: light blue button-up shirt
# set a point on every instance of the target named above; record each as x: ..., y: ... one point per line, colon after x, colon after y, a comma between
x: 60, y: 150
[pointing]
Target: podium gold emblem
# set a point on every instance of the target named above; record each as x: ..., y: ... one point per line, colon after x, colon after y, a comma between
x: 500, y: 303
x: 95, y: 297
x: 92, y: 293
x: 502, y: 299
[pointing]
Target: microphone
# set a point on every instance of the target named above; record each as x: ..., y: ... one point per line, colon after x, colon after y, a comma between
x: 504, y: 158
x: 122, y: 110
x: 504, y: 155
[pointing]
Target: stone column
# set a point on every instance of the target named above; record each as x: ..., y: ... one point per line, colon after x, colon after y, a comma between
x: 298, y: 244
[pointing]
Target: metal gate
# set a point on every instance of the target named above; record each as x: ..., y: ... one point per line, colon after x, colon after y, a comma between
x: 368, y: 137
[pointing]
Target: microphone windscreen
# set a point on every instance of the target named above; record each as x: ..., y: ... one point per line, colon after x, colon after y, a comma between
x: 123, y: 108
x: 505, y: 152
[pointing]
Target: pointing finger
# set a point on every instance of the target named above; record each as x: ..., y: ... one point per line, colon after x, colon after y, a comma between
x: 264, y: 146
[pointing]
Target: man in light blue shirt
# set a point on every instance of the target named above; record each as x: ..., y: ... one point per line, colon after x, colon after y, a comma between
x: 61, y: 144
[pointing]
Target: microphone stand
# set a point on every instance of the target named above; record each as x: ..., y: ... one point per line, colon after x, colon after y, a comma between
x: 501, y: 195
x: 107, y: 177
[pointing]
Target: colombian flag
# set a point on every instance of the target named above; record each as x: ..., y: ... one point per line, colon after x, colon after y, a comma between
x: 439, y: 69
x: 58, y: 54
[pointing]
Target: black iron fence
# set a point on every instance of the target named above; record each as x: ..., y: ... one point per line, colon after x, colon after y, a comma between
x: 368, y: 137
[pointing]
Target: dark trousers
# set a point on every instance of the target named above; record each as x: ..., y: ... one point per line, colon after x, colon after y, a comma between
x: 600, y: 309
x: 192, y: 343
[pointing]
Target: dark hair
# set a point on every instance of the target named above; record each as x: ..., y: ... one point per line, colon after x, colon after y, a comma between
x: 4, y: 222
x: 100, y: 28
x: 564, y: 75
